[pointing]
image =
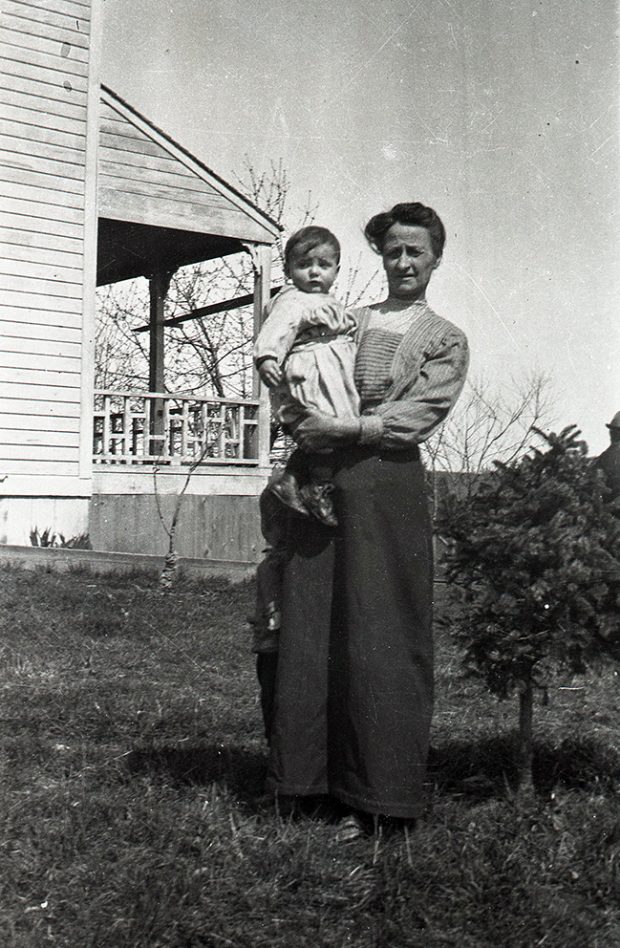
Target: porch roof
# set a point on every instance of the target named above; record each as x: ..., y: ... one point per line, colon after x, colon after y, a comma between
x: 159, y: 206
x: 128, y: 249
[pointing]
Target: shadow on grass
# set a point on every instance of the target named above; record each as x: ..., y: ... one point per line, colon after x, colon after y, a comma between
x: 240, y: 770
x: 480, y: 770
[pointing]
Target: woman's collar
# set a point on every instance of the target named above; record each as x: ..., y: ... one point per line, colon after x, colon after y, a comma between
x: 393, y: 303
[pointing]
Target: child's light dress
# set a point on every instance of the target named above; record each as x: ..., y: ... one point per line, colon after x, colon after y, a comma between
x: 311, y: 337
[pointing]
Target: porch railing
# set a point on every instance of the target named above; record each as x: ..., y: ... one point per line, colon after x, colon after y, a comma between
x: 163, y: 429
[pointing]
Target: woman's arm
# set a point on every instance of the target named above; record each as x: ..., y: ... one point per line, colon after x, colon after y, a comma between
x: 413, y: 417
x: 318, y: 432
x: 405, y: 421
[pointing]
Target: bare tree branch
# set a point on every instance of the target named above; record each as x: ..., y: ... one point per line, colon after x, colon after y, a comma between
x: 490, y: 425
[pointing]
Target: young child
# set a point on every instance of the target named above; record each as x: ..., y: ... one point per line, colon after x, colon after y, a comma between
x: 305, y: 354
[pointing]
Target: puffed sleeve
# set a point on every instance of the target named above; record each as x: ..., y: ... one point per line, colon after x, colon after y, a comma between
x: 284, y: 316
x: 412, y: 418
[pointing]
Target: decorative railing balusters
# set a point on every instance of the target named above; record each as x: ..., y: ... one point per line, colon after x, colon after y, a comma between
x: 164, y: 429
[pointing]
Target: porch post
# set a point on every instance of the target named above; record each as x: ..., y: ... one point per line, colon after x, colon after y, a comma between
x: 262, y: 295
x: 159, y: 283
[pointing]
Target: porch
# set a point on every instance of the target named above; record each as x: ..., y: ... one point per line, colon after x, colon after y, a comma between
x: 149, y: 447
x: 176, y: 431
x: 160, y: 209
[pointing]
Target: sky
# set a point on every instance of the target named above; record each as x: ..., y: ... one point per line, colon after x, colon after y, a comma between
x: 503, y: 115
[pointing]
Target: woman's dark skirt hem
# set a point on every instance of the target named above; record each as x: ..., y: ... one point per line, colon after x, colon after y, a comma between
x: 361, y: 804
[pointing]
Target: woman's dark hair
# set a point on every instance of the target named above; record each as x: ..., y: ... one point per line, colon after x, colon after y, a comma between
x: 418, y: 215
x: 304, y: 240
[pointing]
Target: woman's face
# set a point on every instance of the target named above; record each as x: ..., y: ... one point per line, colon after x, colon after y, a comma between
x: 408, y: 261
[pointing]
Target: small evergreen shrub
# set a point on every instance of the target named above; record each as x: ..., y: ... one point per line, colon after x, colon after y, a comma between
x: 533, y: 554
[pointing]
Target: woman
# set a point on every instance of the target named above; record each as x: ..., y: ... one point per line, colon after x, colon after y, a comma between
x: 353, y: 696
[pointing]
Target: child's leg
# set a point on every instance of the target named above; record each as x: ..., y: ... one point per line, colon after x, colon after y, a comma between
x: 273, y: 519
x: 266, y: 622
x: 266, y: 669
x: 320, y: 467
x: 287, y: 487
x: 266, y: 619
x: 317, y: 492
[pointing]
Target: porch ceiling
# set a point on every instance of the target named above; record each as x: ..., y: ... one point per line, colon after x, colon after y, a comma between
x: 127, y: 250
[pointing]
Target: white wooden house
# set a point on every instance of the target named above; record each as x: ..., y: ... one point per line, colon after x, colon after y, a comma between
x: 92, y: 192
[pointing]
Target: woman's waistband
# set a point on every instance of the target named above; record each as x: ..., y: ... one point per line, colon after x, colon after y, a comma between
x: 361, y: 452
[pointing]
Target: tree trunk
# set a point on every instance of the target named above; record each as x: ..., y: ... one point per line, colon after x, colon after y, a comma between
x: 526, y: 749
x: 168, y: 574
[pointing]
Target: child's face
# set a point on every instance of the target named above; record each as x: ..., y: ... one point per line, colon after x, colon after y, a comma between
x: 315, y: 270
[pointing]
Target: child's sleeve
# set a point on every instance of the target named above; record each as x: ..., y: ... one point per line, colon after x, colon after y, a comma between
x: 280, y: 328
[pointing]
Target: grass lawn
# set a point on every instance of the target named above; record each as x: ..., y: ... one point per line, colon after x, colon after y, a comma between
x: 131, y: 754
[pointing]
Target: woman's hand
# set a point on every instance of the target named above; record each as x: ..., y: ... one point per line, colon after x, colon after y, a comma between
x: 318, y: 432
x: 270, y: 372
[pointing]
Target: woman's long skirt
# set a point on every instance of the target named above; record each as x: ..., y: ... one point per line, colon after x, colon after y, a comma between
x: 354, y: 686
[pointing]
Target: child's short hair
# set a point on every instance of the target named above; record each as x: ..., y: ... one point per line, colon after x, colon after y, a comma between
x: 305, y: 239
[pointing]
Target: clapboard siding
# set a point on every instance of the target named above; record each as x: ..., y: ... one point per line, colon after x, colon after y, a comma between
x: 125, y: 143
x: 39, y: 154
x: 32, y: 346
x: 48, y: 368
x: 43, y: 179
x: 111, y: 173
x: 37, y: 286
x: 32, y: 462
x: 37, y: 98
x: 115, y: 162
x: 49, y: 192
x: 159, y: 181
x: 32, y: 409
x: 43, y: 58
x: 36, y: 375
x: 44, y: 438
x: 150, y: 186
x: 43, y: 117
x: 39, y: 241
x: 47, y: 334
x: 52, y: 14
x: 34, y: 132
x: 57, y: 312
x: 30, y: 448
x: 122, y: 205
x: 15, y: 422
x: 39, y: 91
x: 71, y: 8
x: 71, y: 85
x: 58, y: 259
x: 163, y: 171
x: 52, y: 211
x: 54, y: 234
x: 68, y: 53
x: 43, y: 271
x: 65, y: 33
